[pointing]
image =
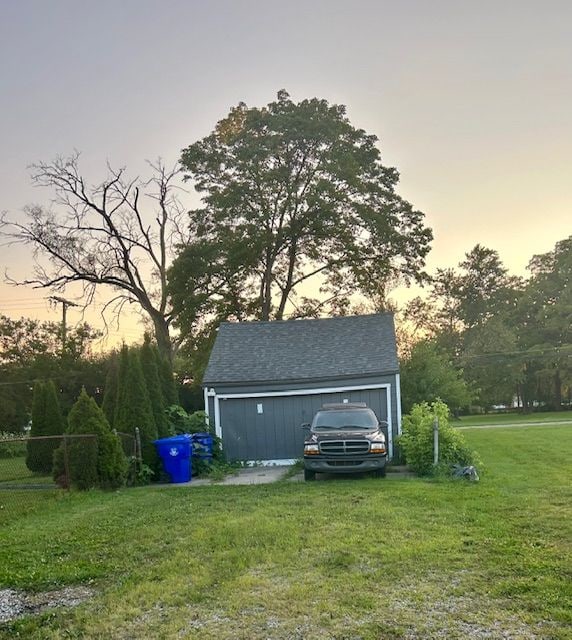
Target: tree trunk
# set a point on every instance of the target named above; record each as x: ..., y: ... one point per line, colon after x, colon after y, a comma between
x: 288, y: 286
x: 267, y: 291
x: 557, y: 390
x: 163, y: 337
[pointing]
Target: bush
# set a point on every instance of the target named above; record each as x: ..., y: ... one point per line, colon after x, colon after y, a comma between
x: 138, y: 474
x: 416, y: 441
x: 182, y: 422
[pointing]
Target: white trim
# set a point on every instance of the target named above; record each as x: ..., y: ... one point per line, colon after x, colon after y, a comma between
x: 389, y: 424
x: 207, y: 414
x: 206, y: 397
x: 398, y: 401
x: 304, y: 392
x: 218, y: 428
x: 309, y: 392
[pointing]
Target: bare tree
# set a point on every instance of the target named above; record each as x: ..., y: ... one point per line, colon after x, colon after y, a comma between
x: 104, y: 234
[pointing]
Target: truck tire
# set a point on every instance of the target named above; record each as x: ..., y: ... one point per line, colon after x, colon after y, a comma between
x: 380, y: 473
x: 309, y: 475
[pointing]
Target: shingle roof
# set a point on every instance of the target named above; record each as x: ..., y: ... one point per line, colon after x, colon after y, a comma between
x: 303, y: 349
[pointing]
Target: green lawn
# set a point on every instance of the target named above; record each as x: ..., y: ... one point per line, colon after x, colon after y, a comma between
x: 511, y: 418
x: 15, y: 471
x: 348, y: 558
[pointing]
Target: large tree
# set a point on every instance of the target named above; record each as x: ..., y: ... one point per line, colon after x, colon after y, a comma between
x: 437, y: 316
x: 491, y: 361
x: 118, y: 233
x: 298, y: 215
x: 484, y: 288
x: 463, y: 298
x: 545, y: 319
x: 469, y: 314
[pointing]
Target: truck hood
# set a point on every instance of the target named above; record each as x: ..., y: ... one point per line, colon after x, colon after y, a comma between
x: 344, y: 434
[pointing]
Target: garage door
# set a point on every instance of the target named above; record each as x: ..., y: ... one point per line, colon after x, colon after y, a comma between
x: 268, y: 428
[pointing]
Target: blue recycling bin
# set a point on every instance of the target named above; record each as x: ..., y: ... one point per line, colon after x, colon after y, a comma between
x: 175, y: 453
x: 202, y: 446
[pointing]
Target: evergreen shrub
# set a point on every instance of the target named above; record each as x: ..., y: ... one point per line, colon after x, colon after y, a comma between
x: 133, y: 409
x: 47, y: 420
x: 149, y: 359
x: 97, y: 461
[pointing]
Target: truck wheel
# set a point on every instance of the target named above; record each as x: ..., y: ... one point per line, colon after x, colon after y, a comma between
x: 309, y: 475
x: 380, y: 473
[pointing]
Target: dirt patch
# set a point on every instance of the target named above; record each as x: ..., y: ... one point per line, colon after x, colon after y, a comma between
x: 16, y: 604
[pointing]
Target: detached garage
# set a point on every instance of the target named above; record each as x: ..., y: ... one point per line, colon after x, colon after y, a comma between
x: 264, y: 379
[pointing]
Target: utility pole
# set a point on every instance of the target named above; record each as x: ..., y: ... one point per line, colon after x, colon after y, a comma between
x: 435, y: 441
x: 65, y: 304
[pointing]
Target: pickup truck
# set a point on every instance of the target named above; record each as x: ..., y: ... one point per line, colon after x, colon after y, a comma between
x: 344, y: 438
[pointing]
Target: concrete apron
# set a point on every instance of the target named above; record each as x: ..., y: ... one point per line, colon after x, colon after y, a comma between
x: 267, y: 475
x: 253, y: 475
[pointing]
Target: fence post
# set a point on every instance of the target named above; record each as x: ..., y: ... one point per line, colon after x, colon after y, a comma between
x: 139, y: 455
x: 436, y: 441
x: 66, y: 462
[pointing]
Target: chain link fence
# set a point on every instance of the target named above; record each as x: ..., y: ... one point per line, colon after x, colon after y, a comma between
x: 40, y: 468
x: 28, y: 462
x: 129, y: 444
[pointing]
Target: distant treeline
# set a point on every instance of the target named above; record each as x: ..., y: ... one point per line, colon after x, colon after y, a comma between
x: 483, y: 338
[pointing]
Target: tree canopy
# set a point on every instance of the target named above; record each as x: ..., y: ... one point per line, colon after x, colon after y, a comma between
x: 545, y: 321
x: 427, y: 376
x: 293, y: 195
x: 31, y: 350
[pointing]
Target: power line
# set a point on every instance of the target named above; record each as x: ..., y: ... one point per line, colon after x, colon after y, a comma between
x: 54, y: 378
x: 23, y: 299
x: 15, y: 302
x: 534, y: 353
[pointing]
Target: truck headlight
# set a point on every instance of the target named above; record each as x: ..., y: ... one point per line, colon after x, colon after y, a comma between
x: 311, y: 449
x: 377, y: 447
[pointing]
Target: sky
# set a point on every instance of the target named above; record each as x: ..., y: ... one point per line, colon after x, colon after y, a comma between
x: 471, y: 102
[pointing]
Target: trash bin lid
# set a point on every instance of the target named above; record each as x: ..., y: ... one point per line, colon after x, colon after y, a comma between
x: 183, y: 438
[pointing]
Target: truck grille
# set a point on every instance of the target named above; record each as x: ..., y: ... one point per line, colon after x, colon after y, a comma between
x: 344, y: 463
x: 344, y: 447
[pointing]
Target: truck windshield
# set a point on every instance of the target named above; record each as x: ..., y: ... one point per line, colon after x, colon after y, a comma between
x: 355, y: 419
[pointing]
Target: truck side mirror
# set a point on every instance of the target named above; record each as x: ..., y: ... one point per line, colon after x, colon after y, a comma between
x: 305, y: 426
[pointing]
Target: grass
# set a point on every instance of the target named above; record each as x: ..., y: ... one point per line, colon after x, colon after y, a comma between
x: 513, y: 418
x: 15, y: 471
x: 347, y: 558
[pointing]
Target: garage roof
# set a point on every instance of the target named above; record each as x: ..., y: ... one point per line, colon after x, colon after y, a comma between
x: 326, y: 348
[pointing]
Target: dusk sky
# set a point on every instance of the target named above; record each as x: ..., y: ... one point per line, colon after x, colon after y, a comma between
x: 471, y: 101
